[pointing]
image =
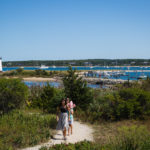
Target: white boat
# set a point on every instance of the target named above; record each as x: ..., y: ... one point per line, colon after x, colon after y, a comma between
x: 53, y: 66
x: 106, y: 74
x: 142, y: 77
x: 44, y: 67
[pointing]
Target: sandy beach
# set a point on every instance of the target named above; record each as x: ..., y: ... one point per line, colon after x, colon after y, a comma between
x: 40, y: 79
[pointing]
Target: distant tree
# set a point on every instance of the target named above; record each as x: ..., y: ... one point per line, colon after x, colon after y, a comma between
x: 19, y: 70
x: 76, y: 89
x: 38, y: 72
x: 13, y: 93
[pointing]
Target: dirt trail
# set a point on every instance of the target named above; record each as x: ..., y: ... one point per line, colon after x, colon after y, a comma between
x: 80, y: 132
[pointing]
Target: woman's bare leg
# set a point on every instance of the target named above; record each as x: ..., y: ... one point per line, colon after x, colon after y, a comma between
x: 64, y: 133
x: 71, y: 126
x: 69, y: 130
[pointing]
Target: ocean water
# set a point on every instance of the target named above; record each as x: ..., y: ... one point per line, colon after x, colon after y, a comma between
x: 134, y: 73
x: 80, y: 68
x: 31, y: 83
x: 56, y: 84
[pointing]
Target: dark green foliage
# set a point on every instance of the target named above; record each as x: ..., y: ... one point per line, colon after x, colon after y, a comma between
x: 126, y: 103
x: 34, y: 99
x: 13, y: 93
x: 76, y: 89
x: 41, y: 72
x: 22, y: 129
x: 46, y: 98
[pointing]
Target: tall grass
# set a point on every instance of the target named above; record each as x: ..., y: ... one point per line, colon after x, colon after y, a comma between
x: 129, y: 138
x: 19, y: 129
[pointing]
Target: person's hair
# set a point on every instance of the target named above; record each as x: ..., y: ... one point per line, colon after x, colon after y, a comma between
x: 67, y: 100
x: 62, y: 101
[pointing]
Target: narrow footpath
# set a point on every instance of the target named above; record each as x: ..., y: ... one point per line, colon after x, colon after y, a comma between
x: 81, y: 132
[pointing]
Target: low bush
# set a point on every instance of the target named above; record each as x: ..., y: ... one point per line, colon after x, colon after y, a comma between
x: 46, y: 98
x: 127, y: 103
x: 13, y: 93
x: 19, y: 129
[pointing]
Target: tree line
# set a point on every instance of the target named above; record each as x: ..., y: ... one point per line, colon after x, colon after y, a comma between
x: 85, y: 62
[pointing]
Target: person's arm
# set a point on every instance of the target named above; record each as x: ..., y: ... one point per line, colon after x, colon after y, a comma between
x: 69, y: 116
x: 57, y: 114
x: 72, y: 112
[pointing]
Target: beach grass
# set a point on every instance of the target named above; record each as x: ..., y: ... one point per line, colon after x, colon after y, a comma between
x: 23, y: 128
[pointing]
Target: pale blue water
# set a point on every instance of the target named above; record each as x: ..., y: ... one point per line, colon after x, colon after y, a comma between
x: 30, y: 83
x: 80, y: 68
x: 55, y: 84
x: 131, y: 75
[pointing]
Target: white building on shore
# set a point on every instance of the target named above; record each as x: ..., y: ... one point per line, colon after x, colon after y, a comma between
x: 1, y: 68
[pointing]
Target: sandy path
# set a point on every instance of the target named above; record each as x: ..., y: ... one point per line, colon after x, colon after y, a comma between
x: 80, y: 132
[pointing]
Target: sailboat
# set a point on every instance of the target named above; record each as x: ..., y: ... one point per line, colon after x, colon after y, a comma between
x: 43, y: 67
x: 53, y: 66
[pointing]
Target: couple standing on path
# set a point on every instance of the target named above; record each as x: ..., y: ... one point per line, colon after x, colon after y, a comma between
x: 65, y: 118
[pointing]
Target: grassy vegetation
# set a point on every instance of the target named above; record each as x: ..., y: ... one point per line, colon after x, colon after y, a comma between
x: 127, y: 102
x: 25, y: 128
x: 105, y: 131
x: 33, y: 73
x: 115, y: 136
x: 120, y: 116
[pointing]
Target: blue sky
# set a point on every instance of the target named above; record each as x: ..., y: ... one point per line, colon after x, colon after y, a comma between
x: 74, y: 29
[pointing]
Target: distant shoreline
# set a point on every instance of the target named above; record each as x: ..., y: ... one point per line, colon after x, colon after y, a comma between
x: 72, y: 66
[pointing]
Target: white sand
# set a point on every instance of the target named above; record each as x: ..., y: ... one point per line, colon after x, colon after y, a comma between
x: 80, y: 132
x: 39, y: 79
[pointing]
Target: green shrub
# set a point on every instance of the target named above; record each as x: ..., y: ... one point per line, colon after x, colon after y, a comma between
x: 126, y: 103
x: 21, y: 129
x: 34, y: 99
x: 13, y: 93
x: 46, y: 98
x: 76, y: 89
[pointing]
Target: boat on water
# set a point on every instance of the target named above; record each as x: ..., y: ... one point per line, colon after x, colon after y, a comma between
x: 43, y: 67
x: 142, y: 77
x: 53, y: 66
